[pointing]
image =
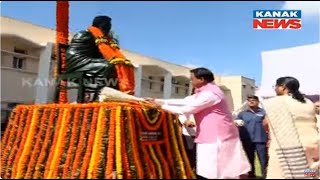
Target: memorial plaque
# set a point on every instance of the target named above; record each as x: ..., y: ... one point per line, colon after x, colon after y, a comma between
x: 149, y: 136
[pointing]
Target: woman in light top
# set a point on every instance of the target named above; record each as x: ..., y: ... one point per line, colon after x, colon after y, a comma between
x: 294, y: 147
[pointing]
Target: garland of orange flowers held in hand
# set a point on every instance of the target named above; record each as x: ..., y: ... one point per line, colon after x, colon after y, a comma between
x: 62, y: 34
x: 110, y: 50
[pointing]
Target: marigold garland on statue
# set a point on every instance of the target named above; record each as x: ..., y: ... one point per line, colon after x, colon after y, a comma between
x: 62, y: 35
x: 112, y: 53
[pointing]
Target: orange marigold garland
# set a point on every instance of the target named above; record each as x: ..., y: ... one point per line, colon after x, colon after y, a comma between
x: 63, y: 141
x: 149, y: 165
x: 62, y: 35
x: 127, y: 141
x: 175, y: 147
x: 75, y: 173
x: 156, y: 160
x: 39, y: 170
x: 93, y: 150
x: 111, y: 146
x: 100, y: 166
x: 190, y: 174
x: 10, y: 129
x: 124, y: 68
x: 124, y: 150
x: 22, y: 143
x: 38, y: 142
x: 145, y: 120
x: 8, y: 142
x: 73, y: 141
x: 169, y: 153
x: 57, y: 152
x: 53, y: 149
x: 163, y: 162
x: 71, y: 150
x: 135, y: 151
x: 89, y: 148
x: 119, y: 169
x: 29, y: 143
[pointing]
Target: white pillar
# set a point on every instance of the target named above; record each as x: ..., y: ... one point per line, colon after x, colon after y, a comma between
x: 190, y: 88
x: 138, y: 81
x: 42, y: 89
x: 167, y: 86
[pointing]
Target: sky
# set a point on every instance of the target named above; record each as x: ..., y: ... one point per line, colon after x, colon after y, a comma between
x: 216, y: 35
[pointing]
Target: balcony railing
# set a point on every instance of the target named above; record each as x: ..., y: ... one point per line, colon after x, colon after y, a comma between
x: 7, y: 58
x: 19, y: 55
x: 156, y: 87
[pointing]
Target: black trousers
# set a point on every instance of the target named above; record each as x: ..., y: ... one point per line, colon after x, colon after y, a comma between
x: 261, y: 148
x: 190, y: 148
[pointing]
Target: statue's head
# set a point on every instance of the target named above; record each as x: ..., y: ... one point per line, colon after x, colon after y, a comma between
x: 103, y: 23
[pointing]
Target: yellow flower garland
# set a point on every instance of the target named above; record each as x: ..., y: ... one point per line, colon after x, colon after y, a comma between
x: 156, y: 160
x: 55, y: 158
x: 96, y: 148
x: 26, y: 150
x: 118, y: 143
x: 155, y: 118
x: 176, y: 147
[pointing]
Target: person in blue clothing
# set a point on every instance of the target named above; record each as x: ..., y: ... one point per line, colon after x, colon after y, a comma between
x: 254, y: 134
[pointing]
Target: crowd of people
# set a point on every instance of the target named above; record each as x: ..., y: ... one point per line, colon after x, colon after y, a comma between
x: 281, y: 130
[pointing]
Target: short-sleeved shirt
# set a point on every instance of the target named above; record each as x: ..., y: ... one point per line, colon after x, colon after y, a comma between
x: 253, y: 126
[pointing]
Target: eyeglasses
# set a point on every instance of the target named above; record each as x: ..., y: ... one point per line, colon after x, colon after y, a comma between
x: 275, y: 86
x: 252, y: 100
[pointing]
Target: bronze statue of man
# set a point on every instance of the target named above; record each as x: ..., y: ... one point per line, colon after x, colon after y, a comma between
x: 96, y: 53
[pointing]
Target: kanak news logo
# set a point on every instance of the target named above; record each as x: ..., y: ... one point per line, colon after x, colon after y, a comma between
x: 277, y: 19
x: 311, y: 173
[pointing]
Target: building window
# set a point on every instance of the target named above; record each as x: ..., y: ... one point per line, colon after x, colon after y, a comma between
x: 187, y: 90
x: 18, y: 61
x: 244, y: 86
x: 162, y: 84
x: 177, y: 90
x: 252, y: 88
x: 150, y: 84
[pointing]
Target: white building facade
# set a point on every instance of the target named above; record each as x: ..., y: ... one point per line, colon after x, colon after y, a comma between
x: 25, y: 50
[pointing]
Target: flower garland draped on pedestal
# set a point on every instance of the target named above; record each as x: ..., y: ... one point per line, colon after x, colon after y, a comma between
x: 93, y: 141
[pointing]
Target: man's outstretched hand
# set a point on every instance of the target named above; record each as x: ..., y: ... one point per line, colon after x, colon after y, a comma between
x: 152, y: 102
x: 150, y: 99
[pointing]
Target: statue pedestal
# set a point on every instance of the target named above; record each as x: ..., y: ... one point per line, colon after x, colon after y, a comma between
x: 45, y: 76
x: 110, y: 140
x: 45, y: 89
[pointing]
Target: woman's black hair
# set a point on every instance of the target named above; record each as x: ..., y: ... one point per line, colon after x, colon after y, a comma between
x: 204, y: 73
x: 293, y: 85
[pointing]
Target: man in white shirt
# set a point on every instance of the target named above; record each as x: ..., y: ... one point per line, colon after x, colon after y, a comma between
x: 189, y: 134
